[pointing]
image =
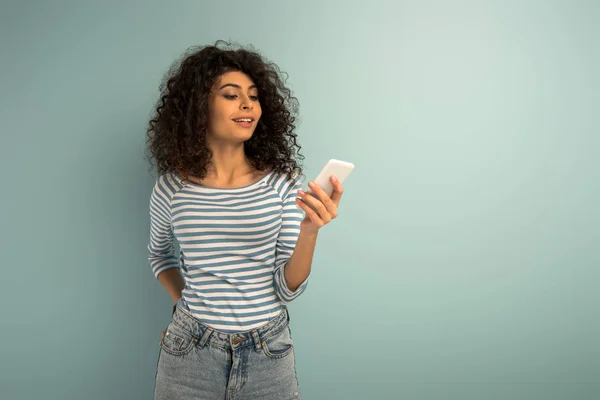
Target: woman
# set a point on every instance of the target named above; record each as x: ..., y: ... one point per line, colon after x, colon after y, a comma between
x: 229, y: 192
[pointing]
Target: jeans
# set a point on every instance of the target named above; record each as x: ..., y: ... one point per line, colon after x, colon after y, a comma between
x: 197, y: 362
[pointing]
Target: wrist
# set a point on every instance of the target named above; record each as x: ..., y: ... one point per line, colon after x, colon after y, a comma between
x: 309, y: 233
x: 175, y: 306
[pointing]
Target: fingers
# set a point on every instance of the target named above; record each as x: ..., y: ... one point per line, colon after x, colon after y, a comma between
x: 324, y: 197
x: 317, y: 206
x: 319, y: 198
x: 337, y: 191
x: 320, y: 208
x: 312, y: 214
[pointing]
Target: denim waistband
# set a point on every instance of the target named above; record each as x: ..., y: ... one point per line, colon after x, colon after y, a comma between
x: 207, y: 335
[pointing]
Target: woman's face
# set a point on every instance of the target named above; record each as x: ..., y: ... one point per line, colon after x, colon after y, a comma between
x: 233, y: 97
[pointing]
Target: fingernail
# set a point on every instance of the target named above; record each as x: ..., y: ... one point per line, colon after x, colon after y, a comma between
x: 311, y: 184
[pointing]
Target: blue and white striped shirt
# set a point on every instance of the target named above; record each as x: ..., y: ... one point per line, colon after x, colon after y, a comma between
x: 234, y: 244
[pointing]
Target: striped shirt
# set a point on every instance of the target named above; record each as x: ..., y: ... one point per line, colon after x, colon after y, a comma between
x: 234, y: 244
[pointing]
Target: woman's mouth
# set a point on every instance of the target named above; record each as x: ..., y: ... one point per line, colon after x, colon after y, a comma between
x: 244, y: 122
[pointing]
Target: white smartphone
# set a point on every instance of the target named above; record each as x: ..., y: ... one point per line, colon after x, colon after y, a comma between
x: 339, y: 169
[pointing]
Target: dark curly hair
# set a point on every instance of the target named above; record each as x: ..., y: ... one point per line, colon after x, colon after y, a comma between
x: 177, y: 132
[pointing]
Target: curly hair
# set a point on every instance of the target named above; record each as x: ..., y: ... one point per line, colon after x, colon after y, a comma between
x: 176, y: 136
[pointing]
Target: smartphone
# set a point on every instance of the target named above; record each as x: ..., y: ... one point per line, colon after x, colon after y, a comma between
x: 339, y: 169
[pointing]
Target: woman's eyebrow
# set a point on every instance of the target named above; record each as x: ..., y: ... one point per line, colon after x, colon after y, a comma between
x: 236, y: 86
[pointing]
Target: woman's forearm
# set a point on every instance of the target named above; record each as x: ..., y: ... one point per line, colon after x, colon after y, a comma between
x: 172, y: 280
x: 298, y: 266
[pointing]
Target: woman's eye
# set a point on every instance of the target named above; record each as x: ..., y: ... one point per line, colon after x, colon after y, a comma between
x: 234, y: 96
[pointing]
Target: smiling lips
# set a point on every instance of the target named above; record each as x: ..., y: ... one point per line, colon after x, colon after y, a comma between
x: 245, y: 122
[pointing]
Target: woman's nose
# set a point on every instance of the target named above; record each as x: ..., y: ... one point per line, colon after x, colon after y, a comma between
x: 246, y: 103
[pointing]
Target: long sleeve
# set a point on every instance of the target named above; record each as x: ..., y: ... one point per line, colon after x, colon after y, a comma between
x: 286, y: 241
x: 161, y: 250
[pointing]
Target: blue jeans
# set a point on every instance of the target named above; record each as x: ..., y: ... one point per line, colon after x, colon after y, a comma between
x: 197, y: 362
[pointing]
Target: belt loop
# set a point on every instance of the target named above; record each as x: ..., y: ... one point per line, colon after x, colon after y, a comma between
x: 257, y: 344
x: 205, y: 337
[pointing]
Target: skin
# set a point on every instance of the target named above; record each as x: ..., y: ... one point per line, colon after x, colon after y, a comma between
x: 232, y: 96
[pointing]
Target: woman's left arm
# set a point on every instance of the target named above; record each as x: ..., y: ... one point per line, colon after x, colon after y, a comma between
x: 320, y: 210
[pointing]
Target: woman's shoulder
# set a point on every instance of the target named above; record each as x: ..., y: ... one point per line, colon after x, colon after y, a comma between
x: 168, y: 182
x: 283, y: 183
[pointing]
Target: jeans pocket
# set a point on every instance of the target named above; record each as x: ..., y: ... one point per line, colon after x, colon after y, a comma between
x: 177, y: 341
x: 279, y: 345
